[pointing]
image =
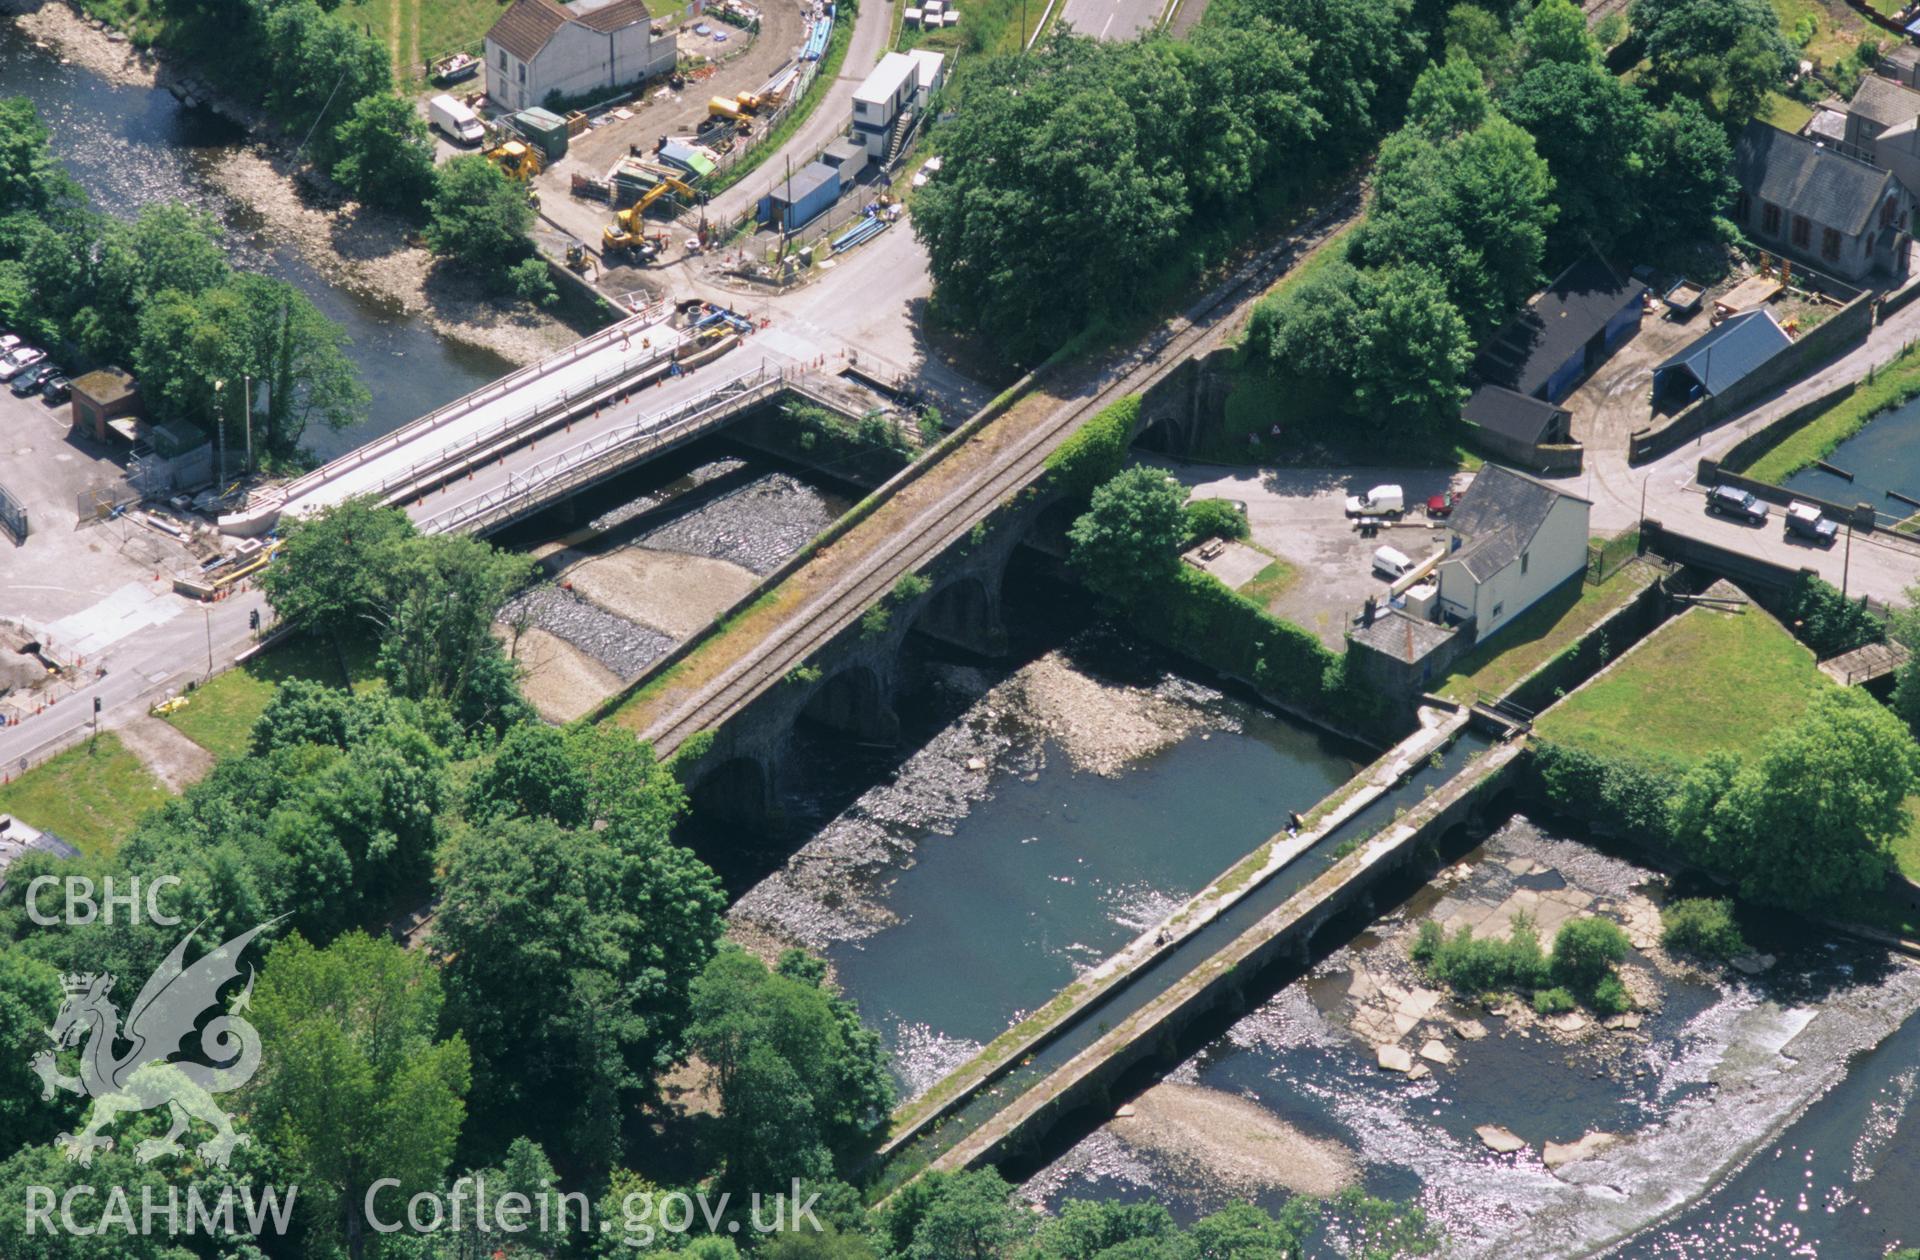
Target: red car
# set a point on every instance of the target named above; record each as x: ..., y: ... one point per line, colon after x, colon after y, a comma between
x: 1440, y: 506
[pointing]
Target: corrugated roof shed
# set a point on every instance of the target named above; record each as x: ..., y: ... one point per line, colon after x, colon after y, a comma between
x: 1724, y: 356
x: 805, y: 182
x: 1538, y: 341
x: 1807, y: 179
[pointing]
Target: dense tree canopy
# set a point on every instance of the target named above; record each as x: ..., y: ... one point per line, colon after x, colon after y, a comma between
x: 803, y: 1085
x: 569, y: 956
x: 1808, y: 819
x: 1723, y: 54
x: 358, y: 1087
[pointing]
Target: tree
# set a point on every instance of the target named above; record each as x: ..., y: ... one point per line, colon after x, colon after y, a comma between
x: 31, y: 178
x: 1725, y: 54
x: 321, y: 69
x: 1473, y: 208
x: 1449, y: 98
x: 1809, y: 822
x: 355, y: 1087
x: 1086, y: 1229
x: 1556, y: 31
x: 569, y: 960
x: 1481, y: 37
x: 478, y: 216
x: 30, y: 996
x: 1361, y: 51
x: 330, y: 574
x: 958, y: 1216
x: 1686, y: 171
x: 1590, y: 128
x: 1411, y: 348
x: 386, y: 155
x: 1129, y: 538
x: 1703, y: 927
x: 442, y: 594
x: 803, y: 1085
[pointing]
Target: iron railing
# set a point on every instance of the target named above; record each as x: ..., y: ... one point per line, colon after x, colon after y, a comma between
x: 603, y: 454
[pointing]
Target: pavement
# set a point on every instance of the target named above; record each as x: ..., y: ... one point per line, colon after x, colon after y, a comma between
x: 1299, y: 514
x: 1111, y: 19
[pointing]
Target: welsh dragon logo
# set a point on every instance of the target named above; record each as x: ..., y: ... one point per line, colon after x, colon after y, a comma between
x: 167, y: 1014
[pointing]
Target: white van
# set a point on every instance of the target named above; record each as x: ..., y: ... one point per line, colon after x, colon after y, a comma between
x: 460, y: 124
x: 1379, y: 501
x: 1391, y: 564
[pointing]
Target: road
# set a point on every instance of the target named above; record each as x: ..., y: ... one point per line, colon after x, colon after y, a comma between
x: 1876, y: 565
x: 1112, y: 19
x: 830, y: 118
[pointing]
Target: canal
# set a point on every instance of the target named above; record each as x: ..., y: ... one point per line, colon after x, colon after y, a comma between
x: 129, y: 146
x: 1883, y: 456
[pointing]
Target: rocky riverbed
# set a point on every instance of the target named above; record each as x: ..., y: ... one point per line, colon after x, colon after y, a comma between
x: 1526, y: 1136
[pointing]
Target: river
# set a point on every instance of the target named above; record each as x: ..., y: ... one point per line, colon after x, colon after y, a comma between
x: 1746, y: 1115
x: 132, y: 145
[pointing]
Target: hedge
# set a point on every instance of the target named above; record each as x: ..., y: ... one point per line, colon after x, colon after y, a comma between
x: 1630, y: 796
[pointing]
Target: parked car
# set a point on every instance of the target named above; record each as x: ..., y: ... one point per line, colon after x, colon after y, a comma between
x: 18, y: 360
x: 1391, y: 564
x: 1440, y: 506
x: 56, y: 388
x: 28, y: 381
x: 1737, y: 503
x: 1807, y: 521
x: 1388, y: 501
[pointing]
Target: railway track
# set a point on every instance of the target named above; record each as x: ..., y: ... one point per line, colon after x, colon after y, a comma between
x: 943, y: 522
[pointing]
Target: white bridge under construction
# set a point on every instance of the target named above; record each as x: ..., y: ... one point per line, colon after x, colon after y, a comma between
x: 610, y: 400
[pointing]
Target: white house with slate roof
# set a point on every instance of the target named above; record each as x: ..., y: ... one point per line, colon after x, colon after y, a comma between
x: 1513, y: 540
x: 1844, y: 216
x: 540, y: 48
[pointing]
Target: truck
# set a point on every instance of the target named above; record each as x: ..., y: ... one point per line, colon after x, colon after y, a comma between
x: 458, y: 123
x: 1387, y: 501
x: 1810, y: 523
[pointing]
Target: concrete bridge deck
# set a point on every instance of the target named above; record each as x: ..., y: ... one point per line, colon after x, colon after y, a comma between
x: 397, y: 467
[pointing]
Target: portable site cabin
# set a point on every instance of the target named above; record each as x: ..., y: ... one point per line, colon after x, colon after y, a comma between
x: 847, y: 158
x: 800, y: 200
x: 686, y: 157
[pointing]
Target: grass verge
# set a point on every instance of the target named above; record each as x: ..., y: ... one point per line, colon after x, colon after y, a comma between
x: 1539, y: 634
x: 1706, y: 681
x: 90, y: 796
x: 843, y: 24
x: 220, y: 716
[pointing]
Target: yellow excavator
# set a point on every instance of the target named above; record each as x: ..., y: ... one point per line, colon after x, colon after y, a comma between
x: 517, y: 160
x: 628, y: 232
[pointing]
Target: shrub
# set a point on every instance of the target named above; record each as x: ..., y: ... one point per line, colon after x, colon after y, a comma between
x: 1585, y: 951
x: 1215, y: 518
x: 532, y: 282
x: 1472, y: 964
x: 1097, y: 450
x: 1609, y: 997
x: 1829, y: 622
x: 911, y: 586
x: 1702, y: 927
x: 1633, y: 797
x: 1554, y: 1001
